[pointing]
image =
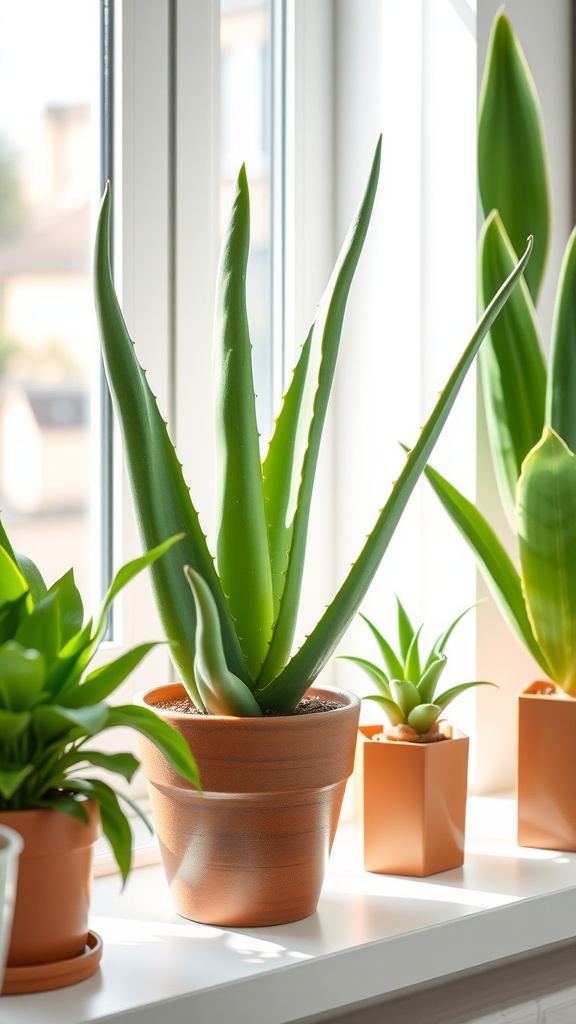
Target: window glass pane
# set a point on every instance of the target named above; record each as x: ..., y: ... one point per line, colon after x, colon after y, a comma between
x: 246, y: 137
x: 49, y: 165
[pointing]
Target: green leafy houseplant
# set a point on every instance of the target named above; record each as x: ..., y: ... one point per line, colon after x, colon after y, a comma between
x: 52, y: 707
x: 231, y: 624
x: 408, y: 682
x: 530, y: 408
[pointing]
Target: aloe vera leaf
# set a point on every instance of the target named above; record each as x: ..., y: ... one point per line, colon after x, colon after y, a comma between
x: 290, y: 465
x: 446, y: 698
x: 429, y: 681
x: 422, y: 718
x: 161, y: 497
x: 513, y: 172
x: 393, y: 711
x: 405, y: 694
x: 405, y: 630
x: 393, y: 664
x: 412, y: 668
x: 374, y: 672
x: 494, y: 562
x: 221, y: 691
x: 242, y: 535
x: 288, y: 687
x: 560, y: 405
x: 547, y: 540
x: 512, y: 367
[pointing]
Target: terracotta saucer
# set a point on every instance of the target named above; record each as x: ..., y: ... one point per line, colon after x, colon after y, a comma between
x: 42, y: 977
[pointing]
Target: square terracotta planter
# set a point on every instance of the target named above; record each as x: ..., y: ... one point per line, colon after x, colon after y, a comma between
x: 414, y: 804
x: 546, y: 787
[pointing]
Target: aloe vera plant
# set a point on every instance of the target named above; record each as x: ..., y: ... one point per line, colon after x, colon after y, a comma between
x: 52, y: 706
x: 530, y: 408
x: 231, y: 624
x: 408, y: 682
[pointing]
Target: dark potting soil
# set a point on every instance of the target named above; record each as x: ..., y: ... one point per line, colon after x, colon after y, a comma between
x: 307, y: 706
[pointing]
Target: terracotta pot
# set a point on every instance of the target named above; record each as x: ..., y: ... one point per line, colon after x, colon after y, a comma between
x: 414, y: 804
x: 10, y: 848
x: 253, y: 849
x: 546, y: 789
x: 54, y: 882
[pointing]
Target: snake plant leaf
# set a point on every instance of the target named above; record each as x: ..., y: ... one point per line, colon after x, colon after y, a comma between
x: 422, y: 718
x: 405, y: 630
x: 513, y: 173
x: 405, y: 694
x: 292, y: 458
x: 169, y: 743
x: 374, y: 672
x: 161, y: 497
x: 104, y: 680
x: 547, y: 541
x: 287, y: 688
x: 244, y: 568
x: 393, y: 711
x: 512, y: 366
x: 446, y: 698
x: 560, y: 405
x: 393, y: 664
x: 429, y: 681
x: 495, y: 564
x: 221, y: 691
x: 412, y: 667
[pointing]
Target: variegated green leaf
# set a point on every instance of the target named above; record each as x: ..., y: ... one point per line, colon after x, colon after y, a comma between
x: 547, y: 540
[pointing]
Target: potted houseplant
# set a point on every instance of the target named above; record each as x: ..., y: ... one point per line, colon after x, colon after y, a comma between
x: 254, y: 848
x: 52, y: 707
x: 531, y: 418
x: 415, y: 825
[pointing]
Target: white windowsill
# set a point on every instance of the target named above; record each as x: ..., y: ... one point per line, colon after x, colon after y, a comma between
x: 373, y: 935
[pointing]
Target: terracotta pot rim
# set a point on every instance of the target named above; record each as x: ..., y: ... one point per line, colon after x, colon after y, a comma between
x: 351, y: 700
x: 532, y: 693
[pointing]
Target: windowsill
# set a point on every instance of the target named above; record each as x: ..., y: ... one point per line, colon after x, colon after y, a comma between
x: 373, y: 935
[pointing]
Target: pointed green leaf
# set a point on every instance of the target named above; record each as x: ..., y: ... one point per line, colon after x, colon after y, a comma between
x: 12, y: 724
x: 66, y: 805
x: 422, y: 718
x: 493, y: 560
x: 374, y: 672
x: 22, y: 675
x: 161, y: 498
x: 103, y: 681
x: 12, y: 778
x: 393, y: 664
x: 405, y: 694
x: 122, y: 764
x: 446, y: 698
x: 41, y: 630
x: 429, y: 681
x: 51, y: 722
x: 442, y: 640
x: 405, y: 630
x: 12, y: 583
x: 32, y: 575
x: 393, y: 712
x: 292, y: 458
x: 169, y: 742
x: 513, y: 174
x: 69, y: 604
x: 244, y: 566
x: 127, y: 573
x: 412, y: 670
x: 547, y: 540
x: 512, y: 367
x: 560, y: 404
x: 114, y: 822
x: 12, y: 613
x: 286, y: 690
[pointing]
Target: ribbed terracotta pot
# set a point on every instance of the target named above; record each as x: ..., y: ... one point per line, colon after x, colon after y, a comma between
x: 50, y: 921
x: 546, y: 775
x: 414, y: 804
x: 254, y: 848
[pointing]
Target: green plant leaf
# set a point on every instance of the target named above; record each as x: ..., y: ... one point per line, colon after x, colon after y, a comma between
x: 41, y: 629
x: 12, y: 583
x: 512, y: 367
x: 103, y: 681
x: 122, y: 764
x: 394, y: 666
x: 222, y: 692
x: 51, y: 722
x: 12, y: 778
x: 429, y: 681
x: 114, y: 822
x: 161, y: 498
x: 32, y: 575
x: 406, y: 630
x: 444, y: 699
x: 374, y: 672
x: 290, y: 465
x: 440, y: 644
x: 22, y: 675
x: 12, y: 613
x: 560, y: 405
x: 66, y: 804
x: 244, y: 568
x: 547, y: 541
x: 70, y: 606
x: 12, y: 724
x: 286, y: 690
x: 169, y: 742
x: 423, y: 716
x: 412, y: 668
x: 405, y: 694
x: 393, y: 711
x: 493, y: 560
x: 513, y: 174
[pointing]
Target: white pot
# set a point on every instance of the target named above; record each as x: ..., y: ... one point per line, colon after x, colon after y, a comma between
x: 10, y: 847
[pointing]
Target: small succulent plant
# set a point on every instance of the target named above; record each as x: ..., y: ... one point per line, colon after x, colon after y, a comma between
x: 407, y: 684
x: 52, y: 706
x: 231, y: 620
